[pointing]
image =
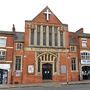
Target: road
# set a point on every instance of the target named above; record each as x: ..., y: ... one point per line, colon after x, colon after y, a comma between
x: 64, y: 87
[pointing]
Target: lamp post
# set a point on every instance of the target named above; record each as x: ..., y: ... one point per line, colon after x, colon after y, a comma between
x: 67, y: 66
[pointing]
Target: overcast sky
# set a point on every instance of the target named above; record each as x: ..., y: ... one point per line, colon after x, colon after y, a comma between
x: 75, y: 13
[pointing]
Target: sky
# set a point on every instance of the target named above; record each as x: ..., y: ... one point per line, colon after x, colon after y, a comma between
x: 75, y: 13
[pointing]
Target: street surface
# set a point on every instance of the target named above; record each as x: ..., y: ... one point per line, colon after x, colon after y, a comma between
x: 56, y: 87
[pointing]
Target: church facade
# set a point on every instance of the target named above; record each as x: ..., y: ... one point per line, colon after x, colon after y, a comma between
x: 47, y: 51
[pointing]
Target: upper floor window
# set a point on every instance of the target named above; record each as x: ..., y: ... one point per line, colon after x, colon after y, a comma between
x: 44, y: 35
x: 19, y: 46
x: 32, y: 36
x: 56, y: 37
x: 2, y: 41
x: 73, y: 64
x: 18, y: 63
x: 38, y: 34
x: 61, y: 38
x: 72, y: 48
x: 84, y: 42
x: 2, y: 54
x: 85, y: 55
x: 50, y: 35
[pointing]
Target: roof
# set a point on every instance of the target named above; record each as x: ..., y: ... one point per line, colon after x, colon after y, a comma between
x: 73, y: 39
x: 19, y: 36
x: 84, y: 35
x: 6, y: 32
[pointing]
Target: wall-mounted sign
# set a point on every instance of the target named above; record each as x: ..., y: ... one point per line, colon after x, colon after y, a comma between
x: 85, y: 61
x: 18, y: 73
x: 63, y: 69
x: 31, y: 69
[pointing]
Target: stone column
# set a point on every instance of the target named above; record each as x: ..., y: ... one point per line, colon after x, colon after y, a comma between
x: 41, y: 36
x: 35, y: 35
x: 64, y: 39
x: 58, y: 37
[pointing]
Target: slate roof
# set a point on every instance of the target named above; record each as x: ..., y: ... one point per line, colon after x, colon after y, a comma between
x: 73, y: 39
x: 19, y: 37
x: 6, y: 32
x: 84, y: 35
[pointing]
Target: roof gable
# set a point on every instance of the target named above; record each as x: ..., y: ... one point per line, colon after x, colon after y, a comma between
x: 42, y: 17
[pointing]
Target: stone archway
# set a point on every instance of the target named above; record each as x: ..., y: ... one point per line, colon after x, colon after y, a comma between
x: 46, y: 59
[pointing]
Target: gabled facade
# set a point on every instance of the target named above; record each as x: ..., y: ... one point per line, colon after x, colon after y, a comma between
x: 46, y: 49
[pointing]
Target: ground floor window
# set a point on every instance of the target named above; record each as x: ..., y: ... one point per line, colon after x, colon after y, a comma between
x: 73, y: 64
x: 18, y: 63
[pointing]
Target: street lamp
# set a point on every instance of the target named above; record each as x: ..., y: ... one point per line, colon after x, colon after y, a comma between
x: 67, y: 66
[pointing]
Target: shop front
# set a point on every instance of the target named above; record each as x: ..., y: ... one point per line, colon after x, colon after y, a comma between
x: 4, y: 73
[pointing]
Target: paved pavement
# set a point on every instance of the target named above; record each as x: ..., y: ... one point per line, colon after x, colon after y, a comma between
x: 46, y: 84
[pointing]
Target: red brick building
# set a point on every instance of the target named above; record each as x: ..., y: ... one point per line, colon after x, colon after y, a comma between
x: 6, y: 56
x: 46, y: 51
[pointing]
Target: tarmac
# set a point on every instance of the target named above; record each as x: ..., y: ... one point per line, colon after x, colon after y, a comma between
x: 46, y: 84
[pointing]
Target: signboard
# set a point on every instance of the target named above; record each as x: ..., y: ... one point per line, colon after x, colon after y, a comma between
x: 63, y: 69
x: 30, y: 69
x: 5, y: 66
x: 85, y: 61
x: 18, y: 73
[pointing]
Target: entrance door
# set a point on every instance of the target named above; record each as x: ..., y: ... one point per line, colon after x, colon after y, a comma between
x: 47, y: 71
x: 86, y: 72
x: 3, y: 76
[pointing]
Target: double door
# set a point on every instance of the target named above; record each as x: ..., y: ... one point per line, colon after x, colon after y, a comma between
x: 47, y: 71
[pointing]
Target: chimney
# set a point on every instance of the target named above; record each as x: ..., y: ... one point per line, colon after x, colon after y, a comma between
x: 13, y: 28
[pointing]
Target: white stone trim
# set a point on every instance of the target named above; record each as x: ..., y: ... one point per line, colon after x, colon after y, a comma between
x: 58, y: 36
x: 46, y: 61
x: 9, y: 47
x: 29, y: 37
x: 3, y: 50
x: 3, y: 37
x: 6, y: 61
x: 35, y: 35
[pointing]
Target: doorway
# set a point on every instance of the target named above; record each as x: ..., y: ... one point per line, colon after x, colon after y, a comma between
x: 47, y: 71
x: 86, y: 72
x: 3, y: 76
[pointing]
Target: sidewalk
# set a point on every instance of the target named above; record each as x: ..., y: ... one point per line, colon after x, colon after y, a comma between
x: 48, y: 84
